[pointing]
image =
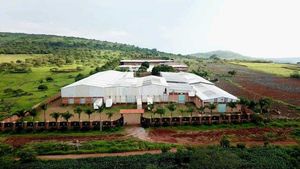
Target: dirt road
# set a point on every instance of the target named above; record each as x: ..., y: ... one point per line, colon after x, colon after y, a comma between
x: 78, y: 156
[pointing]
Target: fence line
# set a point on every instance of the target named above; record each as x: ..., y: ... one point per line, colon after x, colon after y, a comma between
x: 196, y: 120
x: 81, y: 125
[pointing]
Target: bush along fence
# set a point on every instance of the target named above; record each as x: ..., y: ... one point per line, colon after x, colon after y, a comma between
x: 72, y: 125
x: 197, y: 120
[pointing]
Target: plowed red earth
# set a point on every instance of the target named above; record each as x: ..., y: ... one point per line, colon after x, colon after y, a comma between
x: 248, y: 136
x: 254, y: 85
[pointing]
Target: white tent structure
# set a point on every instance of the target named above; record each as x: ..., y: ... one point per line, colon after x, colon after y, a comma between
x: 111, y: 87
x: 196, y: 85
x: 116, y: 87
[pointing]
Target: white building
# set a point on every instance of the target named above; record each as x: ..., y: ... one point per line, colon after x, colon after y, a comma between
x: 122, y: 87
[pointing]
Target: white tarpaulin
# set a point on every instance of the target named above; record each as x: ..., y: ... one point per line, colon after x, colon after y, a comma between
x: 139, y: 102
x: 98, y: 103
x: 149, y: 100
x: 108, y: 103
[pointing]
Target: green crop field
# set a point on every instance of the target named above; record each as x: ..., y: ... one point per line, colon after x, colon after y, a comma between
x: 284, y: 70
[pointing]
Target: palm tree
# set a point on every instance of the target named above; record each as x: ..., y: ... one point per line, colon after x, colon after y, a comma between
x: 201, y: 109
x: 190, y: 110
x: 172, y: 107
x: 44, y: 108
x: 78, y: 111
x: 55, y: 115
x: 88, y: 111
x: 211, y: 107
x: 232, y: 105
x: 100, y: 110
x: 161, y: 111
x: 21, y: 114
x: 264, y: 104
x: 66, y: 115
x: 32, y: 113
x: 109, y: 115
x: 181, y: 112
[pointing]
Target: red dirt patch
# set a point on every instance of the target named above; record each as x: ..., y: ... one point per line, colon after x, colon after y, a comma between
x: 251, y: 135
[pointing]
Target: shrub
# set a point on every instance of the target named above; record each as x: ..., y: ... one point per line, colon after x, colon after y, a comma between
x: 27, y: 155
x: 225, y: 143
x: 241, y: 145
x: 295, y: 75
x: 165, y: 149
x: 49, y: 79
x: 79, y: 77
x: 5, y: 149
x: 42, y: 87
x: 257, y: 119
x: 232, y: 72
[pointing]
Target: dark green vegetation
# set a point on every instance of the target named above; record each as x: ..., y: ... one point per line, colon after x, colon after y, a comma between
x: 103, y: 146
x: 162, y: 68
x: 268, y: 157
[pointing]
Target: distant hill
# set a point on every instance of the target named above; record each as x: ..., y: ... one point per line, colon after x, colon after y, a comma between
x: 222, y: 54
x: 285, y: 60
x: 21, y: 43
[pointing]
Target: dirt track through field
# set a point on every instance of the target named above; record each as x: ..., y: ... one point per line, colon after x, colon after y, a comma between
x: 78, y: 156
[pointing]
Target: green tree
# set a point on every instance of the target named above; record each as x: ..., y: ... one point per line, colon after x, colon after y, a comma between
x: 190, y: 110
x: 161, y: 111
x: 162, y: 68
x: 66, y: 115
x: 181, y: 112
x: 224, y: 142
x: 109, y: 115
x: 89, y: 112
x: 55, y: 115
x: 201, y: 109
x: 264, y: 104
x: 44, y: 107
x: 78, y: 110
x: 232, y: 105
x: 172, y: 107
x: 32, y: 113
x: 211, y: 107
x: 21, y: 114
x: 145, y: 64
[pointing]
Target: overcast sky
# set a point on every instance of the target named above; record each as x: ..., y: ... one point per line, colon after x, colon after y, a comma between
x: 260, y: 28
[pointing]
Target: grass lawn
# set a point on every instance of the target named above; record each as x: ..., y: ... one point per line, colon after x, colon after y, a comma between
x: 273, y: 68
x: 29, y: 83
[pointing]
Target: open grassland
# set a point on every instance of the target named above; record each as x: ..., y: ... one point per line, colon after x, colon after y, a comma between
x: 284, y: 70
x: 6, y: 58
x: 29, y: 83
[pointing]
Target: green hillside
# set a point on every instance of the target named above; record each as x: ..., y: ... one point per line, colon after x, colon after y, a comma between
x: 19, y: 43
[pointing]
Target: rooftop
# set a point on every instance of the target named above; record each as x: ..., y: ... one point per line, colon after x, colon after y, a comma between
x: 183, y: 77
